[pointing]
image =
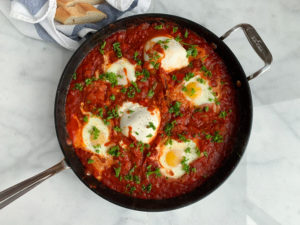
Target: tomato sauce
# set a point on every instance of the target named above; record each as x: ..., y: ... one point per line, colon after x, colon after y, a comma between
x: 212, y: 125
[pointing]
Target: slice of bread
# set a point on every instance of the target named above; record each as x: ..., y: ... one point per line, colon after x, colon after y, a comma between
x: 78, y: 14
x: 68, y: 3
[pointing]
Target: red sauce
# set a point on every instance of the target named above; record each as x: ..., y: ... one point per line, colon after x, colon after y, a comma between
x: 196, y: 122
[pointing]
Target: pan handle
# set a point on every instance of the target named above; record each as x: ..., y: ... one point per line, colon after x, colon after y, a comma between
x: 257, y: 44
x: 10, y: 194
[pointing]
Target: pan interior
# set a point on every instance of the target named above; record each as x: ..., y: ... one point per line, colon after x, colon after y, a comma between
x: 240, y: 139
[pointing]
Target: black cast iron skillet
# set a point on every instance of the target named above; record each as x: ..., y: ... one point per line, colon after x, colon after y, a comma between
x: 240, y: 139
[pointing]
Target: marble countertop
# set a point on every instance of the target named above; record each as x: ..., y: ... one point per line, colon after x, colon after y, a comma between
x: 264, y: 188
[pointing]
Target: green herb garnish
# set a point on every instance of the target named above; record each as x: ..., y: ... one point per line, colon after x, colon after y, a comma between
x: 95, y: 132
x: 112, y: 97
x: 117, y: 49
x: 85, y: 118
x: 158, y: 27
x: 79, y: 86
x: 74, y: 76
x: 186, y: 34
x: 90, y: 161
x: 169, y: 127
x: 175, y: 108
x: 101, y: 49
x: 114, y: 151
x: 189, y: 76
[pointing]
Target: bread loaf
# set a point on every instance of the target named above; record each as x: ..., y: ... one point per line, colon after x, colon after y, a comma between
x: 78, y: 14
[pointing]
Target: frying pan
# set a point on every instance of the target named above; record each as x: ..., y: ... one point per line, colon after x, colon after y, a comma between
x: 239, y: 140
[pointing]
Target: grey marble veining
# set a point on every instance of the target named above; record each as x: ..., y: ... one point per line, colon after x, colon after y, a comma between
x: 264, y: 188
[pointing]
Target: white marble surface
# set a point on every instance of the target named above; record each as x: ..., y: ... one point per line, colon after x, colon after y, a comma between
x: 265, y: 187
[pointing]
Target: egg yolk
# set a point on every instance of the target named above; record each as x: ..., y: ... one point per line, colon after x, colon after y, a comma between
x: 193, y: 90
x: 172, y: 159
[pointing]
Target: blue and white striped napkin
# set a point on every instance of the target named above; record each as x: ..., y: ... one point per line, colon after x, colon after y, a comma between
x: 36, y: 19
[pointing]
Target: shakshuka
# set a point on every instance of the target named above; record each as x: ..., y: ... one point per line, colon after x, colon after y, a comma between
x: 151, y: 111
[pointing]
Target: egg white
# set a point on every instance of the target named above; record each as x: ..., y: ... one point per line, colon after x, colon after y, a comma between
x: 124, y: 68
x: 202, y: 93
x: 95, y: 145
x: 172, y: 154
x: 138, y: 118
x: 174, y: 56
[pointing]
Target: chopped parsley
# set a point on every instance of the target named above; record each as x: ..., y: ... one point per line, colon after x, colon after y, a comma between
x: 90, y: 161
x: 158, y: 27
x: 134, y: 84
x: 147, y: 188
x: 151, y: 93
x: 186, y: 34
x: 143, y: 72
x: 182, y: 138
x: 113, y: 113
x: 201, y: 81
x: 151, y: 125
x: 85, y: 118
x: 184, y: 164
x: 135, y: 57
x: 206, y: 108
x: 100, y: 112
x: 177, y: 38
x: 189, y: 76
x: 155, y: 65
x: 141, y: 146
x: 117, y: 171
x: 114, y: 151
x: 218, y: 138
x: 198, y: 152
x: 149, y: 135
x: 123, y: 90
x: 192, y: 51
x: 175, y: 109
x: 207, y: 72
x: 118, y: 129
x: 132, y: 189
x: 169, y: 127
x: 137, y: 179
x: 174, y: 77
x: 95, y: 132
x: 205, y: 154
x: 101, y: 49
x: 149, y: 172
x: 164, y: 43
x: 184, y: 88
x: 187, y: 150
x: 79, y: 86
x: 112, y: 97
x: 130, y: 111
x: 175, y: 29
x: 169, y: 141
x: 130, y: 92
x: 223, y: 114
x: 110, y: 77
x: 74, y: 76
x: 117, y: 49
